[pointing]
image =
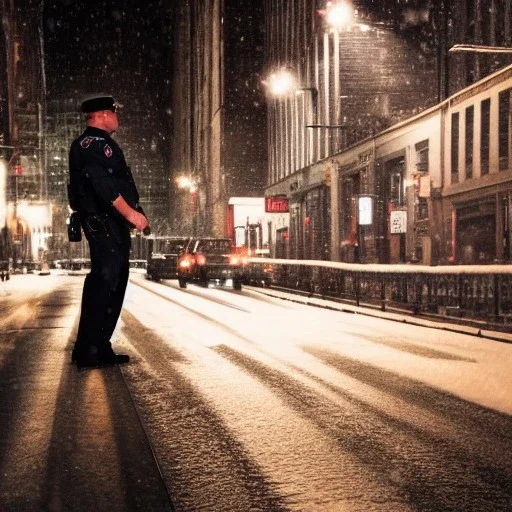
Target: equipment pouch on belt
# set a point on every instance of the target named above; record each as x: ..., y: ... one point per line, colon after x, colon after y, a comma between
x: 74, y: 228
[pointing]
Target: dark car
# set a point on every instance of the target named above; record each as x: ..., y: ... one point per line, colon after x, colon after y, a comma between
x: 163, y: 254
x: 208, y: 260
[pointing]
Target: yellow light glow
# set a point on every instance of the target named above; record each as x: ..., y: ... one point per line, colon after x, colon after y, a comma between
x: 3, y: 193
x: 36, y: 215
x: 281, y: 83
x: 185, y: 182
x: 339, y: 14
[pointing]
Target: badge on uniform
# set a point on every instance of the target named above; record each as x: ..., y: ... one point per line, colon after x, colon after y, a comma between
x: 107, y: 150
x: 86, y: 142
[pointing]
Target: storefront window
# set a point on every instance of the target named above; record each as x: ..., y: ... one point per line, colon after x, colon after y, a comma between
x: 505, y: 115
x: 422, y: 156
x: 484, y: 137
x: 455, y: 147
x: 317, y: 225
x: 476, y: 232
x: 470, y: 118
x: 350, y: 189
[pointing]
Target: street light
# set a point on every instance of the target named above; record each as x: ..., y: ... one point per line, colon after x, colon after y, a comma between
x: 187, y: 183
x: 190, y: 204
x: 339, y: 14
x: 281, y: 83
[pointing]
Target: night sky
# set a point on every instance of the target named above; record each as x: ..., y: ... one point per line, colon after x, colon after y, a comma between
x: 114, y: 46
x: 121, y: 48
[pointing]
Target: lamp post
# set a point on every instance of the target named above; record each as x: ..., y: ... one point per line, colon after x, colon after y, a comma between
x: 189, y: 185
x: 338, y: 14
x: 283, y: 84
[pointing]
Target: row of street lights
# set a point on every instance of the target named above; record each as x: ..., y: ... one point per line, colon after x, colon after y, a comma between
x: 340, y: 15
x: 292, y: 117
x: 295, y: 146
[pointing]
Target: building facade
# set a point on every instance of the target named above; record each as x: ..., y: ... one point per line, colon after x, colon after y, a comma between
x: 353, y: 78
x: 22, y: 111
x: 218, y: 112
x: 340, y: 150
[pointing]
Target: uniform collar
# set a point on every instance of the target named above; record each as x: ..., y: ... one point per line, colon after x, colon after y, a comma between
x: 96, y: 132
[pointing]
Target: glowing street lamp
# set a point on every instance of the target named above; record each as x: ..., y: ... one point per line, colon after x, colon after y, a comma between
x: 186, y: 182
x: 339, y: 14
x: 281, y: 83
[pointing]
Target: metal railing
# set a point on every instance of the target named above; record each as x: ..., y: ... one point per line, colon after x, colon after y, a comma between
x: 478, y: 294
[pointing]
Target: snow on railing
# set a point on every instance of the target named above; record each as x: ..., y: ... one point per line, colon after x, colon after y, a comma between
x: 469, y: 292
x: 386, y: 268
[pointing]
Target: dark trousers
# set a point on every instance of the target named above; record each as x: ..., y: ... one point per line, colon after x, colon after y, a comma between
x: 105, y: 286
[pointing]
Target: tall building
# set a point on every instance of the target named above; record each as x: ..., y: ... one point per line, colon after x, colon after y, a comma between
x: 218, y: 113
x: 478, y: 22
x: 122, y: 49
x: 340, y: 73
x: 22, y: 98
x: 63, y: 123
x: 352, y: 71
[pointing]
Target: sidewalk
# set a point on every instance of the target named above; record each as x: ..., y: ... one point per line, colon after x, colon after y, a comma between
x: 69, y: 440
x: 388, y: 315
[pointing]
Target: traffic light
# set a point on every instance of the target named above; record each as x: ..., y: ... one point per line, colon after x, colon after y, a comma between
x: 18, y: 170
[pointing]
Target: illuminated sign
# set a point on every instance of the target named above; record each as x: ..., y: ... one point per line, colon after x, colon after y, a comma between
x: 398, y: 221
x: 276, y: 204
x: 365, y: 207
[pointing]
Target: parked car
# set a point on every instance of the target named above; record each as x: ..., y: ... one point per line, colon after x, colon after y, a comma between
x: 210, y: 259
x: 163, y: 254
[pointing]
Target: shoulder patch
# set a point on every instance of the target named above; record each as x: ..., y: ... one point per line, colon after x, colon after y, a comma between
x: 85, y: 143
x: 107, y: 150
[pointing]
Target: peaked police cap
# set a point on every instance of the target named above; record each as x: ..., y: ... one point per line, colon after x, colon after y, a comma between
x: 100, y: 102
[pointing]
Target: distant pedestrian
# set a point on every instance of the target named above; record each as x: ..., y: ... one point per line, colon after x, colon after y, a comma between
x: 103, y: 193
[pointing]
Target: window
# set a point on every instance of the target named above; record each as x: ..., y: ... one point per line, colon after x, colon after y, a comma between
x: 422, y: 156
x: 504, y: 121
x: 455, y: 147
x: 484, y: 137
x: 397, y: 188
x: 422, y: 208
x: 349, y: 191
x: 470, y: 118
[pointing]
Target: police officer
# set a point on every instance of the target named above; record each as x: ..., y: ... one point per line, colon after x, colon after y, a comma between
x: 104, y: 195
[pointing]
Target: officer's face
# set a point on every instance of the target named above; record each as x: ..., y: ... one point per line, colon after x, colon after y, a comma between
x: 111, y: 121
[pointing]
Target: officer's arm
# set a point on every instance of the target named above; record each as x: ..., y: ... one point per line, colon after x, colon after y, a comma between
x: 131, y: 215
x: 97, y: 169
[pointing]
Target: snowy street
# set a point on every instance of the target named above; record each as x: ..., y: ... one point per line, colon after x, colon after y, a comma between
x: 255, y: 403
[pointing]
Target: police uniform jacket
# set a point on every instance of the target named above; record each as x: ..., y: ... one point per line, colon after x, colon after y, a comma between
x: 99, y: 174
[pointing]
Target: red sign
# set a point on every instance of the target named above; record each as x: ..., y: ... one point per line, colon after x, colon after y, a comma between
x: 276, y: 204
x: 17, y: 170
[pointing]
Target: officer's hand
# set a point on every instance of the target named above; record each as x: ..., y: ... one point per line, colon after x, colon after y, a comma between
x: 139, y: 221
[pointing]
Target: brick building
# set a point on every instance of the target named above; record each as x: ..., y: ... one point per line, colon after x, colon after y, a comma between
x: 359, y: 69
